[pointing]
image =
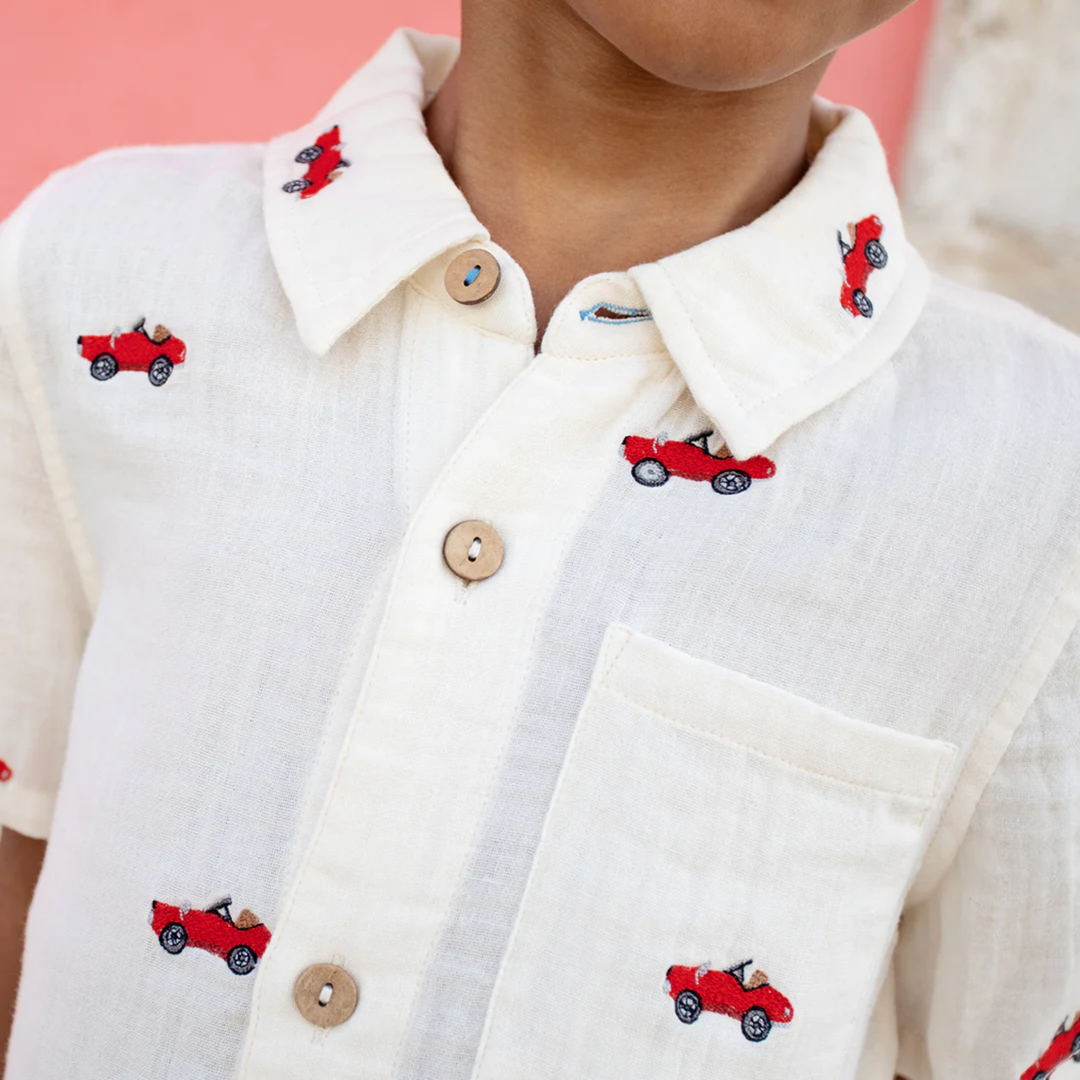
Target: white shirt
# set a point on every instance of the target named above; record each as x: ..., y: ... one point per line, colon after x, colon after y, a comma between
x: 822, y: 724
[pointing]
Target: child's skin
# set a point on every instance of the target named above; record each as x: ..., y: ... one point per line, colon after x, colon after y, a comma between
x: 593, y: 135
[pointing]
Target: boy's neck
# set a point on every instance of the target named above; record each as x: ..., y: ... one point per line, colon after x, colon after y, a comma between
x: 580, y: 162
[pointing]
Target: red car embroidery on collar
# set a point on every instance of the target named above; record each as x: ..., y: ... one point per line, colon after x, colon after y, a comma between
x: 862, y: 256
x: 1065, y: 1044
x: 655, y: 461
x: 240, y: 943
x: 5, y: 771
x: 324, y: 164
x: 753, y: 1002
x: 156, y: 354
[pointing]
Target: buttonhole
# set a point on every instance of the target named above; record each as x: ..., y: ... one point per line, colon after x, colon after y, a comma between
x: 325, y: 994
x: 474, y: 549
x: 472, y: 275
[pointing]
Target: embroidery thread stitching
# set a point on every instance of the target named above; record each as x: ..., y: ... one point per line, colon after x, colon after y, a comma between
x: 862, y: 257
x: 156, y: 354
x: 324, y: 164
x: 5, y: 771
x: 1064, y: 1045
x: 655, y: 461
x: 240, y: 944
x: 754, y: 1002
x: 615, y: 313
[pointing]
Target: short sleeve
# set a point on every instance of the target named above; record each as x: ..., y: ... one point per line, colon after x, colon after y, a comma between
x: 988, y: 966
x: 44, y: 620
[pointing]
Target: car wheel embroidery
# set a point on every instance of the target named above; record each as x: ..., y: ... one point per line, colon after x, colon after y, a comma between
x: 156, y: 354
x: 239, y: 943
x: 1064, y: 1045
x: 655, y: 461
x: 324, y: 164
x: 756, y: 1004
x: 862, y: 256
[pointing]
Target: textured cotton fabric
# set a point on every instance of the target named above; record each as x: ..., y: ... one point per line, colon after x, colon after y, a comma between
x: 822, y: 725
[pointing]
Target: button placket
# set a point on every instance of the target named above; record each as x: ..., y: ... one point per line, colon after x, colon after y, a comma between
x: 435, y: 710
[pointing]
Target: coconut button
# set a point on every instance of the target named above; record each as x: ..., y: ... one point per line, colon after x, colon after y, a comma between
x: 473, y: 276
x: 326, y: 995
x: 473, y: 550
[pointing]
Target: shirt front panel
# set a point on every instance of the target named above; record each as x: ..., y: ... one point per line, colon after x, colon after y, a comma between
x: 808, y: 584
x: 244, y: 518
x: 287, y: 695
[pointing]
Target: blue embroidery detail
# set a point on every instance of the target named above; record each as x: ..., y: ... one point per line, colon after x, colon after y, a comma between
x: 615, y: 313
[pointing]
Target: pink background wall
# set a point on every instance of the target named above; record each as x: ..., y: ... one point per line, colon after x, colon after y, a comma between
x: 76, y: 77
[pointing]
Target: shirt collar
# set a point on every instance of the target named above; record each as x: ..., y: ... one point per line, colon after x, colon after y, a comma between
x: 753, y: 318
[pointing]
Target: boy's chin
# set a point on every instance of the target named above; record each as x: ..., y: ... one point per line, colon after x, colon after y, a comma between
x: 730, y: 45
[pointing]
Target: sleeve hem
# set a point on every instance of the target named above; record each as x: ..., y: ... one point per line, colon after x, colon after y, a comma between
x: 28, y: 812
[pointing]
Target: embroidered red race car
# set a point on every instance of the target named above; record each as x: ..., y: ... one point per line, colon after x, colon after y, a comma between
x: 240, y: 943
x: 655, y: 461
x: 324, y: 164
x: 156, y: 354
x: 863, y: 255
x: 1065, y: 1044
x: 5, y: 771
x: 754, y: 1002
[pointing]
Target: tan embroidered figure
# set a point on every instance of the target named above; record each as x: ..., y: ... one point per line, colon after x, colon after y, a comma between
x: 160, y: 334
x: 759, y: 978
x: 246, y: 919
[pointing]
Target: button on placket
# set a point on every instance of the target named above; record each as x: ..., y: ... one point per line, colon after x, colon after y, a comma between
x: 326, y: 995
x: 473, y: 550
x: 473, y: 276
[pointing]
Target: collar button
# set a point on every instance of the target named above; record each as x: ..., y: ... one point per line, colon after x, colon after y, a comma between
x: 473, y: 276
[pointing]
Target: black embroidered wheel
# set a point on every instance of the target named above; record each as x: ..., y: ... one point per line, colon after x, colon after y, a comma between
x: 756, y: 1024
x: 241, y: 959
x: 103, y: 367
x: 862, y: 302
x: 296, y: 185
x: 688, y: 1006
x: 173, y: 938
x: 160, y: 369
x: 1076, y: 1049
x: 876, y: 255
x: 650, y: 472
x: 730, y: 482
x: 309, y: 154
x: 1040, y: 1076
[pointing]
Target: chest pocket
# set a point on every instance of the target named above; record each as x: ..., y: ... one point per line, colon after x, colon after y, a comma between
x: 717, y: 884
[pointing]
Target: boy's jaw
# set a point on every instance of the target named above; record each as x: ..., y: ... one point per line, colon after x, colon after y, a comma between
x: 727, y: 45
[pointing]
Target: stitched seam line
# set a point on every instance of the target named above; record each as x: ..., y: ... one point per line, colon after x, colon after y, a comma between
x: 526, y: 896
x: 1017, y: 676
x: 358, y: 708
x: 661, y: 392
x: 757, y: 407
x: 600, y: 683
x: 686, y: 726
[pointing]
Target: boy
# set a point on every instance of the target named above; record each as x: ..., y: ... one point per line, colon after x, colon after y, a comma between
x: 563, y: 557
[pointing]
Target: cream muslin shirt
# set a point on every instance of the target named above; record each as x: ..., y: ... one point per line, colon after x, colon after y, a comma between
x: 758, y: 756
